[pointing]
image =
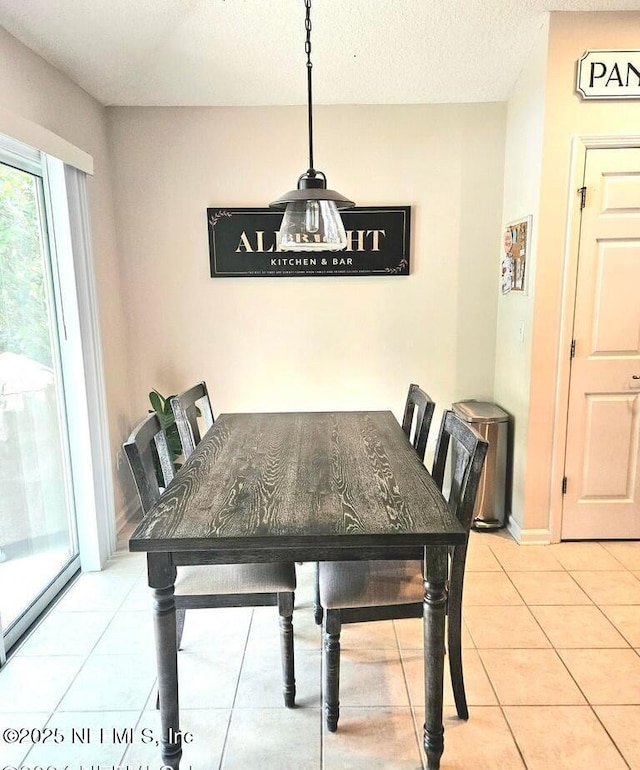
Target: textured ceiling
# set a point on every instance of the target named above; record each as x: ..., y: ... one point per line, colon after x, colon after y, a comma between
x: 251, y: 52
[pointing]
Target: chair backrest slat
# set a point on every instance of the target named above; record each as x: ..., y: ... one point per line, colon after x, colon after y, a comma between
x: 145, y: 448
x: 418, y: 411
x: 468, y: 454
x: 185, y: 410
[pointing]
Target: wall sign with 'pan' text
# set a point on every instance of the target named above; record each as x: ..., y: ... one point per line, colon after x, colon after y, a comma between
x: 242, y: 243
x: 609, y: 75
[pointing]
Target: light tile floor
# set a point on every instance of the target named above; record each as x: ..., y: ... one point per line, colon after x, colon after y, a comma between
x: 552, y: 669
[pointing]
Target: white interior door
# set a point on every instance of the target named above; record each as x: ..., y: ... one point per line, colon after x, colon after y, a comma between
x: 602, y: 464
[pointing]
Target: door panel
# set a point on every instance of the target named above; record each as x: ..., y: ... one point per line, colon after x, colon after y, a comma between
x: 617, y: 288
x: 602, y: 463
x: 611, y: 425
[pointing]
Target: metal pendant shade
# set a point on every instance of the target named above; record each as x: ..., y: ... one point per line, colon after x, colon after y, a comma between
x: 311, y: 220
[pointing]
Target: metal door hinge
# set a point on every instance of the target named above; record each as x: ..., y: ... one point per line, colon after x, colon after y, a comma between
x: 564, y: 485
x: 572, y: 352
x: 583, y: 196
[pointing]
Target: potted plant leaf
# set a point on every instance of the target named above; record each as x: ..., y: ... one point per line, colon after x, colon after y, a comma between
x: 162, y: 406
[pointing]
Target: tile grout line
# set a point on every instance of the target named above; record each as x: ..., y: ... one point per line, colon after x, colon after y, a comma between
x: 484, y: 668
x: 408, y: 693
x: 555, y: 649
x: 223, y: 753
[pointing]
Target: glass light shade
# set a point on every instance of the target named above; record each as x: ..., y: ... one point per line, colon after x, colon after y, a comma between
x: 311, y: 225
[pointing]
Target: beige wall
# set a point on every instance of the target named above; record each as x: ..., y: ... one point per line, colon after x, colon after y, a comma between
x: 310, y: 343
x: 523, y: 165
x: 339, y: 342
x: 566, y: 116
x: 32, y: 89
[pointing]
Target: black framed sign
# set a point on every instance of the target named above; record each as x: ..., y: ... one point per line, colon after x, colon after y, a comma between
x: 242, y: 243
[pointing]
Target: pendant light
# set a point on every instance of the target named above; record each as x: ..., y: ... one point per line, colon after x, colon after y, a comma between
x: 311, y: 220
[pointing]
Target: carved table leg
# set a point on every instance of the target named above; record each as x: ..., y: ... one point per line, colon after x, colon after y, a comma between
x: 332, y: 627
x: 162, y: 575
x: 435, y: 600
x: 285, y: 609
x: 318, y: 610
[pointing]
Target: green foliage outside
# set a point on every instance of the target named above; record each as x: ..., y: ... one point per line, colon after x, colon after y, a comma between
x: 24, y: 322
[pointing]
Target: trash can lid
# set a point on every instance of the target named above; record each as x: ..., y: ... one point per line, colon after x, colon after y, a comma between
x: 479, y: 411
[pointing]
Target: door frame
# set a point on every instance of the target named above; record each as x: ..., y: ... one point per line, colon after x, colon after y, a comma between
x: 579, y: 148
x: 74, y: 282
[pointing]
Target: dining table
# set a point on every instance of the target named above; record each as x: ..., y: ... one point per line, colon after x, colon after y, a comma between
x: 299, y: 487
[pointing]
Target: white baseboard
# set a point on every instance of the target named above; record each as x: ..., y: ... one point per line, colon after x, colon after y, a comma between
x: 528, y: 536
x: 128, y: 513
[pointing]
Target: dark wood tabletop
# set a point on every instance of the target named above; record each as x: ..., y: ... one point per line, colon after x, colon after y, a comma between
x: 304, y: 486
x: 291, y: 480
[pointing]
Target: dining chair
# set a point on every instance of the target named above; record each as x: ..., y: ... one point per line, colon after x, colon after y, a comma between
x: 418, y: 413
x: 416, y: 422
x: 224, y: 585
x: 186, y: 407
x: 353, y: 592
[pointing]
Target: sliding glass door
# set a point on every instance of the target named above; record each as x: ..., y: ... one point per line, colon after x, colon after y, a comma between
x: 38, y: 539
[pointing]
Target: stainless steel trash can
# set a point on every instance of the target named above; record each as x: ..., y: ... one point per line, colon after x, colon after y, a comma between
x: 492, y: 423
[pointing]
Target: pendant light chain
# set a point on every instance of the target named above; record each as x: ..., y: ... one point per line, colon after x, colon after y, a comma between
x: 307, y: 48
x: 311, y: 220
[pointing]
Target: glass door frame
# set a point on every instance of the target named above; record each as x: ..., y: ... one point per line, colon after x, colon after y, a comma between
x: 65, y: 211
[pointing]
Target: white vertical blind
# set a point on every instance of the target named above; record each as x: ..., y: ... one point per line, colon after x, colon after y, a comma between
x: 97, y: 532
